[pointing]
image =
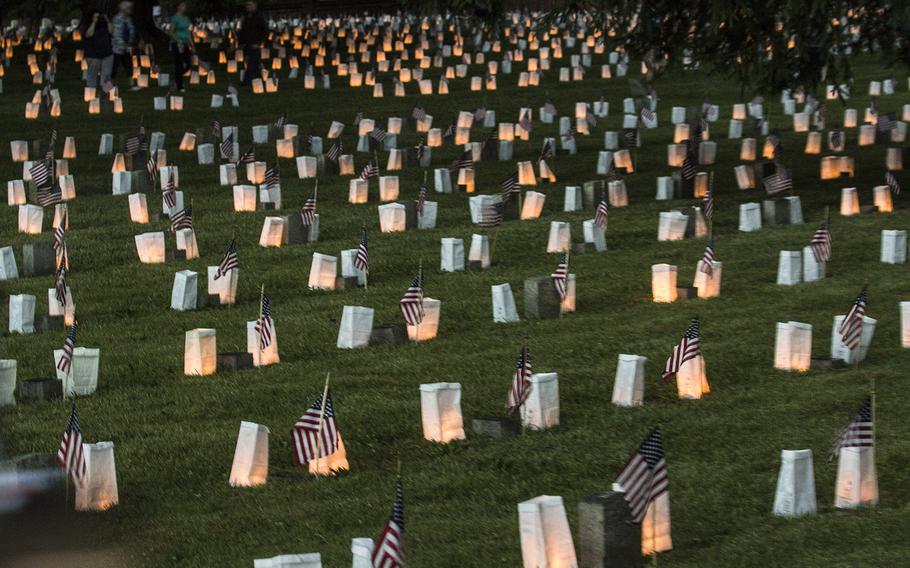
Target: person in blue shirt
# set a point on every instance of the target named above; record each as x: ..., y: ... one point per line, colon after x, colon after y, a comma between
x: 181, y: 44
x: 124, y: 37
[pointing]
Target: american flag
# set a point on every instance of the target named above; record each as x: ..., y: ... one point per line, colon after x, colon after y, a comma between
x: 418, y: 113
x: 411, y: 303
x: 687, y: 348
x: 886, y: 122
x: 281, y: 121
x: 821, y: 243
x: 66, y: 360
x: 851, y: 329
x: 216, y: 128
x: 362, y: 260
x: 335, y: 150
x: 708, y: 202
x: 549, y: 107
x: 307, y: 432
x: 491, y: 215
x: 859, y: 433
x: 647, y: 115
x: 510, y: 186
x: 600, y: 215
x: 589, y: 117
x: 49, y: 196
x: 182, y: 219
x: 151, y: 166
x: 835, y: 139
x: 631, y: 136
x: 492, y: 137
x: 308, y: 212
x: 70, y: 455
x: 227, y: 147
x: 248, y: 157
x: 49, y: 155
x: 42, y: 172
x: 421, y: 149
x: 707, y: 259
x: 465, y: 161
x: 132, y: 144
x: 370, y: 170
x: 272, y: 177
x: 60, y: 251
x: 421, y: 197
x: 480, y: 113
x: 389, y: 551
x: 525, y: 121
x: 229, y: 261
x: 358, y: 117
x: 546, y: 151
x: 263, y: 325
x: 521, y: 381
x: 778, y: 181
x: 561, y: 276
x: 170, y: 192
x: 60, y: 286
x: 891, y: 182
x: 450, y: 130
x: 378, y: 134
x: 705, y: 106
x: 690, y: 163
x: 644, y: 477
x: 143, y: 140
x: 774, y: 140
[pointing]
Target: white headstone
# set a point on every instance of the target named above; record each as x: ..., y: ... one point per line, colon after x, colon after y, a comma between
x: 504, y: 310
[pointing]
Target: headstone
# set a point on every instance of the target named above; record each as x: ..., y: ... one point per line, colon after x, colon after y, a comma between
x: 390, y: 334
x: 541, y: 300
x: 234, y: 361
x: 7, y: 382
x: 495, y: 426
x: 40, y: 389
x: 38, y: 259
x: 607, y: 537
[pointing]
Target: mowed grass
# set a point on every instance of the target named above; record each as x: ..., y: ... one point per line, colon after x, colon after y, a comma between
x: 175, y: 435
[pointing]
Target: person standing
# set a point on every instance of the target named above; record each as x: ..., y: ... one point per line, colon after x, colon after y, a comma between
x: 123, y: 38
x: 99, y: 51
x: 253, y: 32
x: 181, y: 44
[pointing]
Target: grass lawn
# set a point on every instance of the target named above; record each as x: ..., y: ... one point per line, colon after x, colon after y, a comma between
x: 175, y: 435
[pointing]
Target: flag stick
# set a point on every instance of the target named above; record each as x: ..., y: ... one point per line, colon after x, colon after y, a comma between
x: 259, y: 323
x: 562, y: 299
x: 366, y: 273
x: 325, y: 393
x: 419, y: 283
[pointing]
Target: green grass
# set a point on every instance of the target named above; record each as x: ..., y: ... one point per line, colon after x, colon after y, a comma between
x: 175, y: 435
